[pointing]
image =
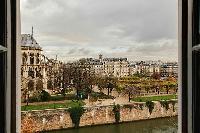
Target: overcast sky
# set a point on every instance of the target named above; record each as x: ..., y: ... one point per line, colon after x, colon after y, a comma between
x: 72, y: 29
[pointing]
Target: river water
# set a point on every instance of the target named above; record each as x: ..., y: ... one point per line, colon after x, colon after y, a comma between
x: 161, y: 125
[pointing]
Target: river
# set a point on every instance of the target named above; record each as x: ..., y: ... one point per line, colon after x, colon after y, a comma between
x: 161, y: 125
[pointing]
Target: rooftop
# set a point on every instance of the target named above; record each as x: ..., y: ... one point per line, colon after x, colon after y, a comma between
x: 27, y: 40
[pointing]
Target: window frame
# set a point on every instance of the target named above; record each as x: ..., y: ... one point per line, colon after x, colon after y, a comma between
x: 11, y: 113
x: 189, y: 93
x: 195, y: 66
x: 3, y: 71
x: 10, y: 83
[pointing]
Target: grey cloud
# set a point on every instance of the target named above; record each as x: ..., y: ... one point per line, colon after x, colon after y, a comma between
x: 158, y: 49
x: 71, y: 51
x: 84, y: 51
x: 78, y: 51
x: 101, y: 26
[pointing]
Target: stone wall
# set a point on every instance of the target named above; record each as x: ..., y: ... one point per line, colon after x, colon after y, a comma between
x: 33, y: 121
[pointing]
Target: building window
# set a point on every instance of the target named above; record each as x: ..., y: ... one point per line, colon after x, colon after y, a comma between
x: 31, y: 58
x: 24, y: 58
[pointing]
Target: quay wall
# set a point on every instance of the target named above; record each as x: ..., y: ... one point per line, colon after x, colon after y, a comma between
x: 55, y: 119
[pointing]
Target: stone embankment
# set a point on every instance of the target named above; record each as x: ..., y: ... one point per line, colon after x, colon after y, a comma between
x: 51, y: 119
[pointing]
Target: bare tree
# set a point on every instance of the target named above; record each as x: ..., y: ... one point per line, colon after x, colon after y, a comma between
x: 27, y: 86
x: 79, y: 75
x: 132, y: 91
x: 39, y: 84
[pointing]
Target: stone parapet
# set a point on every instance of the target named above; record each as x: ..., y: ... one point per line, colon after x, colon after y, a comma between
x: 52, y: 119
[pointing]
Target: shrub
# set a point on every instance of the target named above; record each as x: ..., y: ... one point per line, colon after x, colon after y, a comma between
x: 63, y: 92
x: 101, y: 95
x: 128, y: 106
x: 44, y: 96
x: 165, y: 104
x: 76, y: 110
x: 94, y: 97
x: 61, y: 97
x: 57, y: 98
x: 173, y: 104
x: 34, y: 98
x: 116, y: 110
x: 82, y: 95
x: 141, y: 106
x: 150, y: 106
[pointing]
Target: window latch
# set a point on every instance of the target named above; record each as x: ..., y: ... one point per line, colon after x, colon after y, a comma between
x: 2, y: 49
x: 196, y: 48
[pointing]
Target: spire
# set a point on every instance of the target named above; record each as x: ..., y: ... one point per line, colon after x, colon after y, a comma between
x: 32, y: 32
x: 56, y: 57
x: 32, y: 35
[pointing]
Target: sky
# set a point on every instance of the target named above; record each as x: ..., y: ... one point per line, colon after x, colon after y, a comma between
x: 73, y: 29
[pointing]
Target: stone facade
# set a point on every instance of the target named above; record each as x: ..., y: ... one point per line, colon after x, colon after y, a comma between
x: 33, y: 121
x: 33, y: 67
x: 165, y: 69
x: 117, y: 67
x: 169, y: 69
x: 36, y: 69
x: 121, y: 67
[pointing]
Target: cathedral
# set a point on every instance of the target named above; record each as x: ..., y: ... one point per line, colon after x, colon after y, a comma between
x: 37, y: 71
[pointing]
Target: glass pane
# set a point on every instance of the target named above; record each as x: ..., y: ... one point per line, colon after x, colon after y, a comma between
x: 2, y: 49
x: 99, y: 62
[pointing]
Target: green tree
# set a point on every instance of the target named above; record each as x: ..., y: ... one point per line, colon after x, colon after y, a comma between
x: 120, y: 88
x: 157, y: 86
x: 147, y: 88
x: 167, y: 86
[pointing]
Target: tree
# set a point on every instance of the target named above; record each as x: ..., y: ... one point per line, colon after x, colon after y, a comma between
x: 27, y: 86
x: 30, y: 85
x: 156, y: 76
x: 132, y: 91
x: 49, y: 84
x: 79, y: 75
x: 101, y: 83
x: 120, y: 88
x: 147, y: 88
x: 168, y: 85
x: 174, y: 86
x: 111, y: 83
x: 157, y: 86
x: 39, y: 84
